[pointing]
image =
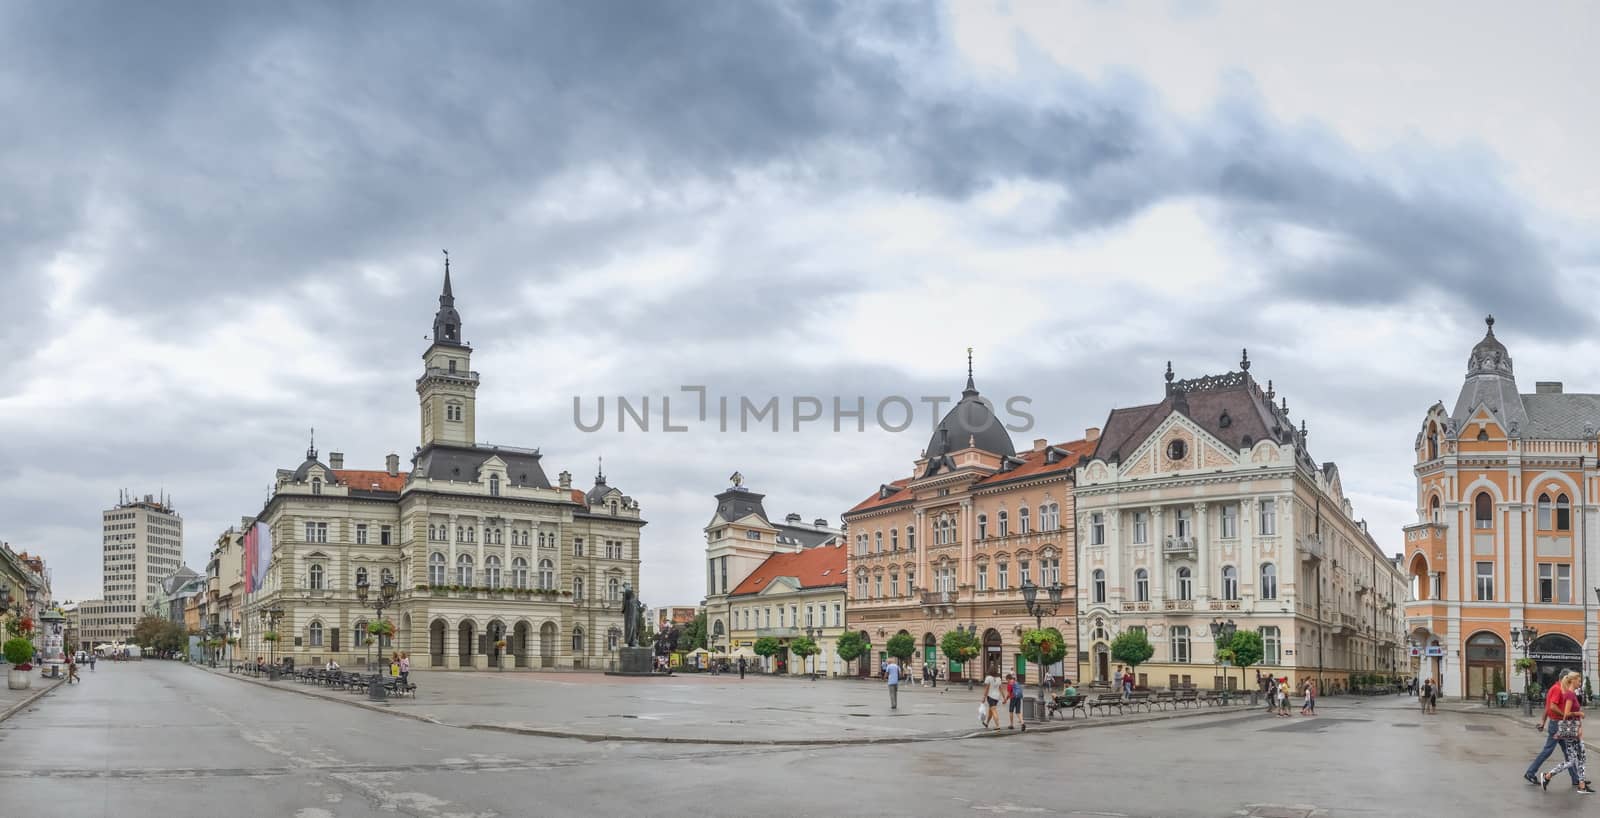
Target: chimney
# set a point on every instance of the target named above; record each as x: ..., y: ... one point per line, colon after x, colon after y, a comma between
x: 335, y: 460
x: 566, y: 480
x: 1091, y: 434
x: 820, y: 522
x: 1039, y: 443
x: 792, y: 518
x: 392, y: 464
x: 1547, y: 387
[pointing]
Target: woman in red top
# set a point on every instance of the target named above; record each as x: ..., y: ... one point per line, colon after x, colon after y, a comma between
x: 1570, y: 735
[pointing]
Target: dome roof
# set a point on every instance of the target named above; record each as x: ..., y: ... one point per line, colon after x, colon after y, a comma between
x: 1489, y: 357
x: 971, y: 422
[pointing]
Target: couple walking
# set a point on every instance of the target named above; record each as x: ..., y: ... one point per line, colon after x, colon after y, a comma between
x: 997, y: 691
x: 1562, y: 723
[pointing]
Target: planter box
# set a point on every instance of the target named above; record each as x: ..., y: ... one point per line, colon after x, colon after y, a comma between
x: 18, y: 679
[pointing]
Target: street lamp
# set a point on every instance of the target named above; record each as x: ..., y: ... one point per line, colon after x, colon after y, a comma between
x: 1222, y: 634
x: 270, y: 616
x: 387, y: 589
x: 813, y: 634
x: 1038, y: 609
x: 1523, y: 637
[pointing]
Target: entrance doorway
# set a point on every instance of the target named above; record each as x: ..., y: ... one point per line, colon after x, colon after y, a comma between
x: 864, y: 661
x: 1102, y: 662
x: 930, y: 653
x: 991, y: 652
x: 436, y: 643
x: 1486, y: 656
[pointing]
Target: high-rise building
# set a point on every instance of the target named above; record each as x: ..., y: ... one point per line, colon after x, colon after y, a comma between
x: 142, y: 540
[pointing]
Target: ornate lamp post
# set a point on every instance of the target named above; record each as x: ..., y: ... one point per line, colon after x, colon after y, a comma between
x: 270, y: 617
x: 1523, y: 637
x: 387, y: 589
x: 813, y: 634
x: 1221, y: 634
x: 1039, y: 609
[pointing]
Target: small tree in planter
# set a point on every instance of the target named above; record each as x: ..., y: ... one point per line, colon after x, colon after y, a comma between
x: 804, y: 648
x: 766, y: 646
x: 1043, y: 647
x: 901, y: 646
x: 1526, y: 666
x: 1132, y: 648
x: 959, y: 646
x: 18, y: 651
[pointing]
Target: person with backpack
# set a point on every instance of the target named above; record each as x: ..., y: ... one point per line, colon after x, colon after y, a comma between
x: 992, y: 693
x: 1013, y: 698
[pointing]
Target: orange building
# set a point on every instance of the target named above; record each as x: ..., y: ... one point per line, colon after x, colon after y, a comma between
x: 1505, y: 498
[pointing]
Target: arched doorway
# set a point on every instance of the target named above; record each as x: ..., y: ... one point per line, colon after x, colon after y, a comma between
x: 519, y: 643
x: 991, y: 652
x: 1552, y: 655
x: 864, y: 661
x: 495, y: 633
x: 466, y: 633
x: 1102, y: 662
x: 547, y: 645
x: 1418, y: 570
x: 436, y: 643
x: 1486, y: 655
x: 930, y: 652
x: 719, y: 637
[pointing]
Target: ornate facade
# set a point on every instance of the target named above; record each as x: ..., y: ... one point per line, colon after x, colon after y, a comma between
x: 1507, y: 528
x: 950, y: 545
x: 496, y: 567
x: 1207, y: 507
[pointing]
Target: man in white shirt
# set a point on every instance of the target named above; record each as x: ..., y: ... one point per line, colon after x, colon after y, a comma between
x: 992, y: 695
x: 891, y: 672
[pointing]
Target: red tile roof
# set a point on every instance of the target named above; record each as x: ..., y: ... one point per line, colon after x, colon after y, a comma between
x: 1033, y: 465
x: 362, y: 479
x: 820, y: 567
x: 579, y: 498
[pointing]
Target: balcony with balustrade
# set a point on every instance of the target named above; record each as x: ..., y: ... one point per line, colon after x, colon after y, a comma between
x: 1175, y: 546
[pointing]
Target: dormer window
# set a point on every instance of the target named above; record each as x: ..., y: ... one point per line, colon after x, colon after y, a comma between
x: 494, y: 485
x: 316, y: 485
x: 450, y: 335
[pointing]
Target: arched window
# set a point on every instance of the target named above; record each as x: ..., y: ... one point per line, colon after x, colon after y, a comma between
x: 519, y: 573
x: 1269, y: 581
x: 861, y: 585
x: 359, y: 636
x: 388, y: 576
x: 1141, y: 585
x: 1180, y: 643
x: 361, y: 576
x: 911, y: 538
x: 577, y: 640
x: 877, y: 542
x: 316, y: 576
x: 1185, y: 583
x: 894, y: 539
x: 316, y: 634
x: 1230, y: 582
x: 1433, y: 443
x: 1003, y: 522
x: 1022, y: 520
x: 1563, y: 513
x: 613, y: 638
x: 547, y: 574
x: 577, y: 589
x: 1546, y: 512
x: 491, y: 571
x: 316, y: 485
x: 464, y: 570
x: 1433, y: 507
x: 983, y: 526
x: 494, y: 485
x: 613, y: 589
x: 1099, y: 585
x: 436, y: 568
x: 1482, y: 511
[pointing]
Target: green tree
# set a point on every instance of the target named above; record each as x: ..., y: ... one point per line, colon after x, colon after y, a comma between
x: 1132, y: 648
x: 18, y: 651
x: 901, y: 646
x: 1247, y: 651
x: 148, y: 631
x: 804, y: 647
x: 959, y: 646
x: 693, y: 635
x: 1044, y: 646
x: 852, y: 645
x: 766, y: 646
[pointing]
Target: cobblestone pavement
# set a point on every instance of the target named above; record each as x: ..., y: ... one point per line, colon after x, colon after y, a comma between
x: 161, y: 739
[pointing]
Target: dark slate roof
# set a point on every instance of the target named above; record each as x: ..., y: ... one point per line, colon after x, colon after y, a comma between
x: 971, y: 422
x: 804, y: 535
x: 1561, y: 416
x: 305, y: 468
x: 1231, y: 407
x: 461, y: 463
x: 1499, y: 394
x: 736, y: 503
x: 600, y: 490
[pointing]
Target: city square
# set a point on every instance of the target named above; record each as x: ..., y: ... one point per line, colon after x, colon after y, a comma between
x: 795, y: 407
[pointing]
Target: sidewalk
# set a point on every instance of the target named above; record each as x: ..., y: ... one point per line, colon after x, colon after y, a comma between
x: 15, y: 701
x: 698, y: 709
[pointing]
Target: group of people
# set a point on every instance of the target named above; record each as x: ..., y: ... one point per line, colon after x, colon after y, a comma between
x: 1001, y: 692
x: 1562, y: 724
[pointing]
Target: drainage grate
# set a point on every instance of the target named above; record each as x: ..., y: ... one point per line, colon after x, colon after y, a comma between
x: 1481, y: 728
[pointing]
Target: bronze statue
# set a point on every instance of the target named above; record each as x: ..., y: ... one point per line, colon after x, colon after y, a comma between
x: 631, y: 608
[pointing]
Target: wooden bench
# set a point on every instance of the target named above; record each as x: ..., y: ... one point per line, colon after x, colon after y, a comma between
x: 1138, y: 699
x: 1166, y: 699
x: 1072, y: 704
x: 1106, y: 702
x: 1187, y: 697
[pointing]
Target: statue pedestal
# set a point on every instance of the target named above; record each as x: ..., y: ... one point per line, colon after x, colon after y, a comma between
x: 635, y: 662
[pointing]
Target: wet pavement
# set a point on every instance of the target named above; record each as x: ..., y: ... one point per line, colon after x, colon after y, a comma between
x: 161, y: 739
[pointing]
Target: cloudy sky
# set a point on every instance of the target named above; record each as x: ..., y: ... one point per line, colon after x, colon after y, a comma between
x: 220, y: 227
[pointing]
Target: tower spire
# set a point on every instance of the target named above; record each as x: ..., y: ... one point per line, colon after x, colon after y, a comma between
x: 972, y: 388
x: 447, y: 322
x: 446, y: 298
x: 600, y: 471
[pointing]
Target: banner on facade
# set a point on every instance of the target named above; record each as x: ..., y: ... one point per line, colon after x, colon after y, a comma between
x: 257, y: 553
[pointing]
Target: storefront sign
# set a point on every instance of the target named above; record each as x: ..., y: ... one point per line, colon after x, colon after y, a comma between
x: 1435, y: 650
x: 1555, y: 656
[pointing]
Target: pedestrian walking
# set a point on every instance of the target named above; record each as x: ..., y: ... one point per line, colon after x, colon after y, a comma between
x: 1569, y: 732
x: 72, y: 670
x: 741, y: 667
x: 1425, y: 696
x: 1549, y: 722
x: 1013, y: 696
x: 405, y: 668
x: 1283, y: 698
x: 891, y: 672
x: 1308, y: 706
x: 91, y: 663
x: 991, y: 699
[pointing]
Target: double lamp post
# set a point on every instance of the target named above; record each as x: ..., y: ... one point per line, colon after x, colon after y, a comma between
x: 1039, y: 609
x: 1222, y: 635
x: 387, y: 590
